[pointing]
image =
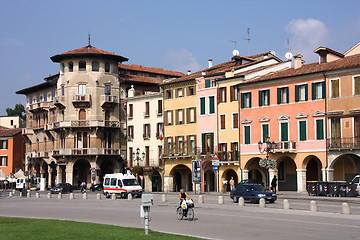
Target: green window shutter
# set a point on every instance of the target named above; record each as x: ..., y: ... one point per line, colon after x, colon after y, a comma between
x: 297, y: 93
x: 249, y: 99
x: 203, y: 142
x: 207, y: 83
x: 212, y: 142
x: 278, y: 96
x: 202, y: 106
x: 247, y: 134
x: 323, y: 90
x: 306, y: 92
x: 302, y: 130
x: 284, y: 132
x: 242, y: 100
x: 211, y: 105
x: 260, y: 98
x: 319, y: 129
x: 313, y: 91
x: 287, y: 94
x: 265, y: 131
x: 268, y: 99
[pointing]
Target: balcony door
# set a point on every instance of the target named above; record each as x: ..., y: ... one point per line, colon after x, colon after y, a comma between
x: 82, y: 117
x: 335, y: 132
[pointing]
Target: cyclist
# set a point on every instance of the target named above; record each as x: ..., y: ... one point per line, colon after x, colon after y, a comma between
x: 182, y: 197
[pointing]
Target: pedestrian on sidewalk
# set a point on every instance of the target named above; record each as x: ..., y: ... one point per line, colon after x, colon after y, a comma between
x: 274, y: 184
x: 225, y: 182
x: 232, y: 183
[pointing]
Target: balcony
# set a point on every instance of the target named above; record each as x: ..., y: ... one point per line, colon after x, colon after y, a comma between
x: 27, y: 131
x: 39, y: 106
x: 81, y: 100
x: 109, y: 101
x: 59, y: 102
x: 86, y: 123
x: 85, y: 151
x: 230, y: 156
x: 350, y: 143
x: 48, y: 126
x: 282, y: 147
x: 35, y: 154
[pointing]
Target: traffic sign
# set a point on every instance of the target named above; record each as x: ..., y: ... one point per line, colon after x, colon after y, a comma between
x: 215, y: 168
x: 215, y: 162
x: 215, y: 157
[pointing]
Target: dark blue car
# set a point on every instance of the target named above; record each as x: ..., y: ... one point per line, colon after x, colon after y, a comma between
x: 253, y: 193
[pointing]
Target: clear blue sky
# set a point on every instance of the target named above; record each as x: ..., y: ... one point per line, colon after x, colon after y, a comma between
x: 175, y: 35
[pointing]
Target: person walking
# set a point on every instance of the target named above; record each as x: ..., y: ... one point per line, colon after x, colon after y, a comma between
x: 274, y: 184
x: 83, y: 186
x: 232, y: 183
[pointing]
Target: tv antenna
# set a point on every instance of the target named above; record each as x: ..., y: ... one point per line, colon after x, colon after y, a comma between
x: 248, y: 39
x: 234, y: 42
x: 89, y: 39
x: 288, y: 45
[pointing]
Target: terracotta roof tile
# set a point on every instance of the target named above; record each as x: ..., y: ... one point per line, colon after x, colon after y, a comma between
x: 140, y: 79
x: 135, y: 67
x: 9, y: 132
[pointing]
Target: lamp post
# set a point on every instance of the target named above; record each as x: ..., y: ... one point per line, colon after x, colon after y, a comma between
x: 266, y: 146
x: 136, y: 156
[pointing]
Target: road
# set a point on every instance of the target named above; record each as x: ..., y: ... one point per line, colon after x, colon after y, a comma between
x: 228, y: 221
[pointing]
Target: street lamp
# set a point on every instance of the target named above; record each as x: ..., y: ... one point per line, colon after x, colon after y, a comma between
x: 136, y: 156
x: 267, y: 146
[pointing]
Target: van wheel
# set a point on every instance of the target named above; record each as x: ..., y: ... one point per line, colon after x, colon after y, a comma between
x: 123, y: 195
x: 107, y: 195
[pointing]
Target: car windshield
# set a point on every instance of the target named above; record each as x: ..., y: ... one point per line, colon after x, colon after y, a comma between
x: 256, y: 188
x: 59, y: 185
x: 130, y: 182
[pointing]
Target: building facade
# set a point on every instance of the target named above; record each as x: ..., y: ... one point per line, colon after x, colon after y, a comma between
x: 12, y: 122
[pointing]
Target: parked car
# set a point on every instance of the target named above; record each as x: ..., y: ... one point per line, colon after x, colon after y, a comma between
x: 252, y: 181
x: 96, y: 187
x: 356, y: 181
x: 62, y: 188
x: 252, y: 192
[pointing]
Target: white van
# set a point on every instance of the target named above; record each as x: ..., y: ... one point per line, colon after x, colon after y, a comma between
x: 20, y: 183
x: 121, y: 184
x: 356, y: 181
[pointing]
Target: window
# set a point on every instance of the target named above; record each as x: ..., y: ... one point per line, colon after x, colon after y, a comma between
x: 207, y: 142
x: 246, y: 100
x: 30, y: 99
x: 180, y: 116
x: 335, y: 88
x: 107, y: 67
x: 318, y: 90
x: 323, y: 58
x: 95, y: 66
x: 168, y: 94
x: 223, y: 147
x: 147, y: 109
x: 207, y: 83
x: 3, y: 144
x: 168, y: 117
x: 52, y: 93
x: 180, y: 144
x: 284, y: 131
x: 146, y: 133
x: 191, y: 117
x: 357, y: 85
x: 302, y: 131
x: 62, y: 91
x: 71, y: 66
x: 192, y: 144
x: 82, y: 89
x: 235, y: 120
x: 264, y: 132
x: 153, y: 75
x: 211, y: 105
x: 82, y: 66
x: 11, y: 122
x: 3, y: 161
x: 264, y: 97
x: 247, y: 136
x: 62, y: 68
x: 45, y: 96
x: 131, y: 110
x: 202, y: 106
x: 234, y: 93
x: 159, y: 127
x: 113, y: 182
x: 222, y: 122
x: 169, y: 145
x: 283, y: 95
x: 335, y: 128
x: 38, y: 97
x: 160, y: 154
x: 107, y: 90
x: 319, y: 129
x: 222, y: 95
x: 130, y: 132
x: 130, y: 156
x: 191, y: 91
x: 301, y: 93
x: 159, y: 110
x: 179, y: 92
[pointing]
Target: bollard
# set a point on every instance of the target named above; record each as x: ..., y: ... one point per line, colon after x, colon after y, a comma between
x: 14, y: 192
x: 130, y: 197
x: 37, y: 195
x: 241, y: 201
x: 10, y: 194
x: 28, y: 194
x: 60, y: 195
x: 221, y: 200
x: 98, y: 196
x: 345, y: 208
x: 163, y: 198
x: 286, y: 204
x: 201, y: 199
x: 262, y: 203
x: 49, y: 195
x: 20, y: 193
x: 113, y: 196
x: 85, y: 196
x: 313, y: 206
x: 71, y: 196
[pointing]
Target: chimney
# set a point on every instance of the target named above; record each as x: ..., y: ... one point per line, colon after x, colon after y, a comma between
x: 298, y: 62
x: 131, y: 91
x: 210, y: 63
x: 189, y: 72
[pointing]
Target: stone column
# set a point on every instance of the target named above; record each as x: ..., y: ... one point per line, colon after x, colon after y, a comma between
x: 330, y: 174
x: 59, y: 174
x: 301, y: 180
x: 69, y: 174
x: 245, y: 174
x: 168, y: 184
x: 50, y: 171
x: 323, y: 174
x: 272, y: 173
x: 147, y: 182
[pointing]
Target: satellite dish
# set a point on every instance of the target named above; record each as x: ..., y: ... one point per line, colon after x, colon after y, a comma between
x: 272, y: 52
x: 288, y: 55
x: 235, y: 52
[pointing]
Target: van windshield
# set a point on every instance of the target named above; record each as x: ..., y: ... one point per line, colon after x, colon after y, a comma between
x: 130, y: 182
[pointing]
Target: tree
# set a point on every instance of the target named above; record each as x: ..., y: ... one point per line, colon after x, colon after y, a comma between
x: 18, y: 110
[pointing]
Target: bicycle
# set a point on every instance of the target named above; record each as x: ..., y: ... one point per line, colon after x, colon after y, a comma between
x: 187, y: 212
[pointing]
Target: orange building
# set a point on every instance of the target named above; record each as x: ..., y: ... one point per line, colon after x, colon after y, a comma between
x: 12, y: 150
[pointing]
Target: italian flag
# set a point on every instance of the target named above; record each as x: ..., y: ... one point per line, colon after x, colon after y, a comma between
x: 161, y: 136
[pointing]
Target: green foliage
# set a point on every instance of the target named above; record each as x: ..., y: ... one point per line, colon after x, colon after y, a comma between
x: 137, y: 169
x: 18, y: 110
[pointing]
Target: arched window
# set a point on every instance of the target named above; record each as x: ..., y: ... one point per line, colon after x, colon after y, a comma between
x: 82, y: 66
x: 107, y: 67
x: 71, y: 66
x: 95, y: 66
x: 62, y: 68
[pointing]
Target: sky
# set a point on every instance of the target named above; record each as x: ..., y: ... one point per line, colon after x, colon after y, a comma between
x: 174, y: 35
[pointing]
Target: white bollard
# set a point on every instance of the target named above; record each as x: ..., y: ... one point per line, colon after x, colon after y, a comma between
x: 130, y: 197
x: 20, y: 193
x: 241, y: 201
x: 49, y: 195
x: 313, y: 206
x: 98, y: 196
x: 286, y: 204
x: 345, y: 208
x: 14, y: 192
x: 28, y: 194
x: 71, y: 196
x: 262, y: 203
x: 221, y: 200
x: 60, y: 195
x: 37, y: 195
x: 201, y: 199
x: 113, y: 196
x: 10, y: 194
x: 85, y: 196
x: 163, y: 198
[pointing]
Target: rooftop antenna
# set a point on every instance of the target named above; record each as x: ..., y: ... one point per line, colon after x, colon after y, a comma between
x: 235, y: 52
x: 89, y: 40
x: 248, y: 40
x: 288, y: 45
x: 234, y: 42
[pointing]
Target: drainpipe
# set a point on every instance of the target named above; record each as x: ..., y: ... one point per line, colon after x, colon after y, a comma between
x: 217, y: 187
x: 239, y: 130
x: 326, y: 132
